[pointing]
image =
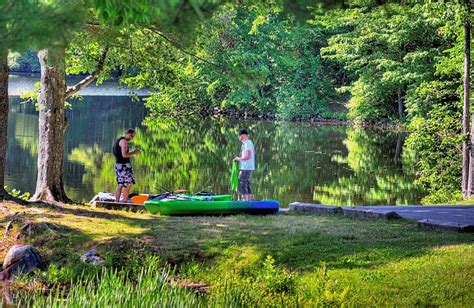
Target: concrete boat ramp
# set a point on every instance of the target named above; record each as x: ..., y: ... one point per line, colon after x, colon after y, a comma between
x: 445, y: 218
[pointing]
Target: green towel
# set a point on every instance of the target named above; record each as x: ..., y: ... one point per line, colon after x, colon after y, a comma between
x: 234, y: 177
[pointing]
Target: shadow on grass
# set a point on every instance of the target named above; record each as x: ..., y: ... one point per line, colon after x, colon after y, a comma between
x: 297, y: 242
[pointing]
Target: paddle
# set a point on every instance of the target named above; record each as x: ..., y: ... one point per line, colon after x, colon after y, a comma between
x: 139, y: 199
x: 234, y: 176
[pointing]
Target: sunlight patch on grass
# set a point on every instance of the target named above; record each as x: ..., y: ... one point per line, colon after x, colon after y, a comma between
x: 432, y: 279
x: 325, y: 260
x: 469, y: 201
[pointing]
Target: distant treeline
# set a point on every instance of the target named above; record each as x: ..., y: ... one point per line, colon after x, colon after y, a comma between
x: 28, y: 62
x: 24, y: 63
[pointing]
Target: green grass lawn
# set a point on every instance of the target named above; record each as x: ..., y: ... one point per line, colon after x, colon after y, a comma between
x: 280, y: 260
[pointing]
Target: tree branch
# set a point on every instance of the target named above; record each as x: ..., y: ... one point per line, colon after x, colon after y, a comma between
x: 176, y: 45
x: 86, y: 81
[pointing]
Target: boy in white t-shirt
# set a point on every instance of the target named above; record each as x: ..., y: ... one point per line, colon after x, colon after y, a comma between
x: 246, y: 165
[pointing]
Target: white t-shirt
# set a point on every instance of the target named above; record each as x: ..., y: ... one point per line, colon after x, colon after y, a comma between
x: 248, y: 164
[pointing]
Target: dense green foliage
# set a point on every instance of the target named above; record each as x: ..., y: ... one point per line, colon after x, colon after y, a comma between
x: 391, y: 49
x: 28, y: 25
x: 435, y: 110
x: 279, y: 61
x: 249, y: 61
x: 436, y: 141
x: 407, y: 65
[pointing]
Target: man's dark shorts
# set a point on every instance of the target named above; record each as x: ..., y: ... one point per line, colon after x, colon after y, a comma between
x: 124, y: 174
x: 245, y: 180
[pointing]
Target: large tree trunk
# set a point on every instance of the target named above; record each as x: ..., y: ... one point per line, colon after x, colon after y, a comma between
x: 3, y: 118
x: 52, y: 126
x: 470, y: 182
x: 4, y: 195
x: 467, y: 94
x: 466, y: 153
x: 52, y: 122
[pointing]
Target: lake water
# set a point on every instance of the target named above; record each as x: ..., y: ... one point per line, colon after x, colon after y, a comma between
x: 334, y: 165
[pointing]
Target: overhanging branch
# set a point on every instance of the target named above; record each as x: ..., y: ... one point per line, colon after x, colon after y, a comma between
x: 86, y: 81
x: 176, y: 45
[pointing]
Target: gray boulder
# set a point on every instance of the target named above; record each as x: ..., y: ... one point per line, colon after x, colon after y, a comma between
x: 21, y: 260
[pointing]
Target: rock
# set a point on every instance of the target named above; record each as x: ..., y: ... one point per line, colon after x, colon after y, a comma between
x: 357, y: 212
x: 21, y: 260
x: 317, y: 209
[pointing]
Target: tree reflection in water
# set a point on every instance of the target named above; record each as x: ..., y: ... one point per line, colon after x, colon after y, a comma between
x: 295, y: 161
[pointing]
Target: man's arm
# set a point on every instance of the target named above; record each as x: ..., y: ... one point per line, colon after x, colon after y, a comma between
x: 124, y: 146
x: 247, y: 155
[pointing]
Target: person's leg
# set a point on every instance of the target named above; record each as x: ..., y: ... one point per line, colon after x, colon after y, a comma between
x: 118, y: 192
x: 240, y: 186
x: 249, y: 195
x: 128, y: 179
x: 126, y: 192
x: 119, y: 177
x: 244, y: 182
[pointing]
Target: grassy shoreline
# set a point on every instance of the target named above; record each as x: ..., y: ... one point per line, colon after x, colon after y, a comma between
x: 292, y: 258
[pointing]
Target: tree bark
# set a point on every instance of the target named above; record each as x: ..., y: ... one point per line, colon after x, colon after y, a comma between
x: 467, y: 94
x: 52, y: 127
x: 400, y: 105
x: 470, y: 181
x: 3, y: 118
x: 4, y: 195
x: 53, y: 123
x: 398, y: 148
x: 466, y: 146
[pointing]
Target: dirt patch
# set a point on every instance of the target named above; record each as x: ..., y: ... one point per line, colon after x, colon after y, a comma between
x: 198, y: 287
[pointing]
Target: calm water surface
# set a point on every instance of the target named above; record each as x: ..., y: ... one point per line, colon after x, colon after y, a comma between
x: 295, y: 162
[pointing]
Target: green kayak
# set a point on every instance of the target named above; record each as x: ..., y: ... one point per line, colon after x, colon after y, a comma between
x: 202, y: 197
x: 212, y: 205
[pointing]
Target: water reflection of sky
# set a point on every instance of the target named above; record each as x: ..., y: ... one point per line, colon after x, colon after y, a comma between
x: 295, y: 161
x: 26, y: 82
